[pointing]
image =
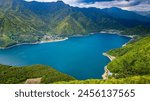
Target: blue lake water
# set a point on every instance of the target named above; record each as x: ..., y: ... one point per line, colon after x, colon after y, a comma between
x: 80, y: 57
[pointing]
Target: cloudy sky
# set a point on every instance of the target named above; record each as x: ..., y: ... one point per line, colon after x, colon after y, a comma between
x: 138, y: 5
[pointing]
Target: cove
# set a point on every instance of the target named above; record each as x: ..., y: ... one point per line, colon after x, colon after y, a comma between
x: 80, y: 57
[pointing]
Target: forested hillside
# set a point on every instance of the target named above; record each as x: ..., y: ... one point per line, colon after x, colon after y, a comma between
x: 15, y: 75
x: 131, y: 60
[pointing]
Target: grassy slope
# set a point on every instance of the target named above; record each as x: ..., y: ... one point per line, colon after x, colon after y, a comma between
x: 13, y: 75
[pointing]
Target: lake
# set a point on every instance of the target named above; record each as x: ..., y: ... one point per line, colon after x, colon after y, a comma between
x: 80, y: 57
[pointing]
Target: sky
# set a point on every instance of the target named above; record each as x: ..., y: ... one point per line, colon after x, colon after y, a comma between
x: 132, y: 5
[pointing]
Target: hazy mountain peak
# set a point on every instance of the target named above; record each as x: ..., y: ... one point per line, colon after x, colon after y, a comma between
x: 7, y: 4
x: 60, y: 1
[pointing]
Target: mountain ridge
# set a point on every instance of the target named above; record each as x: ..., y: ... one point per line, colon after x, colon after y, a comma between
x: 28, y: 22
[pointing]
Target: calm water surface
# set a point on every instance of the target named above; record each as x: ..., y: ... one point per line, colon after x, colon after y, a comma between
x: 80, y: 57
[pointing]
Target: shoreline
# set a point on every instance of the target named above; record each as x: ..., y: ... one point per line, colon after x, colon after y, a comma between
x: 107, y: 71
x: 111, y: 58
x: 117, y: 32
x: 35, y: 43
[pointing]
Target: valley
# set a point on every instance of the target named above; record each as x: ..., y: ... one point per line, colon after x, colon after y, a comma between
x: 48, y: 33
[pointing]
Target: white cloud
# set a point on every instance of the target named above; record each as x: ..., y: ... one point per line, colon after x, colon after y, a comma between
x: 140, y: 5
x: 66, y: 1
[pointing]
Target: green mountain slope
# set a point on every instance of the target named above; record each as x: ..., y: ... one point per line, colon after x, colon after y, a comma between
x: 17, y: 28
x: 138, y: 30
x: 133, y: 59
x: 69, y: 26
x: 13, y: 75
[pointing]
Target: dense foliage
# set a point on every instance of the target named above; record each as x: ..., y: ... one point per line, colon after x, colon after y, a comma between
x: 13, y: 75
x: 133, y: 59
x: 129, y: 80
x: 138, y: 30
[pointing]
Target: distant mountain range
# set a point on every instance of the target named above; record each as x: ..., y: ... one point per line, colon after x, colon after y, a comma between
x: 26, y: 22
x: 144, y: 13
